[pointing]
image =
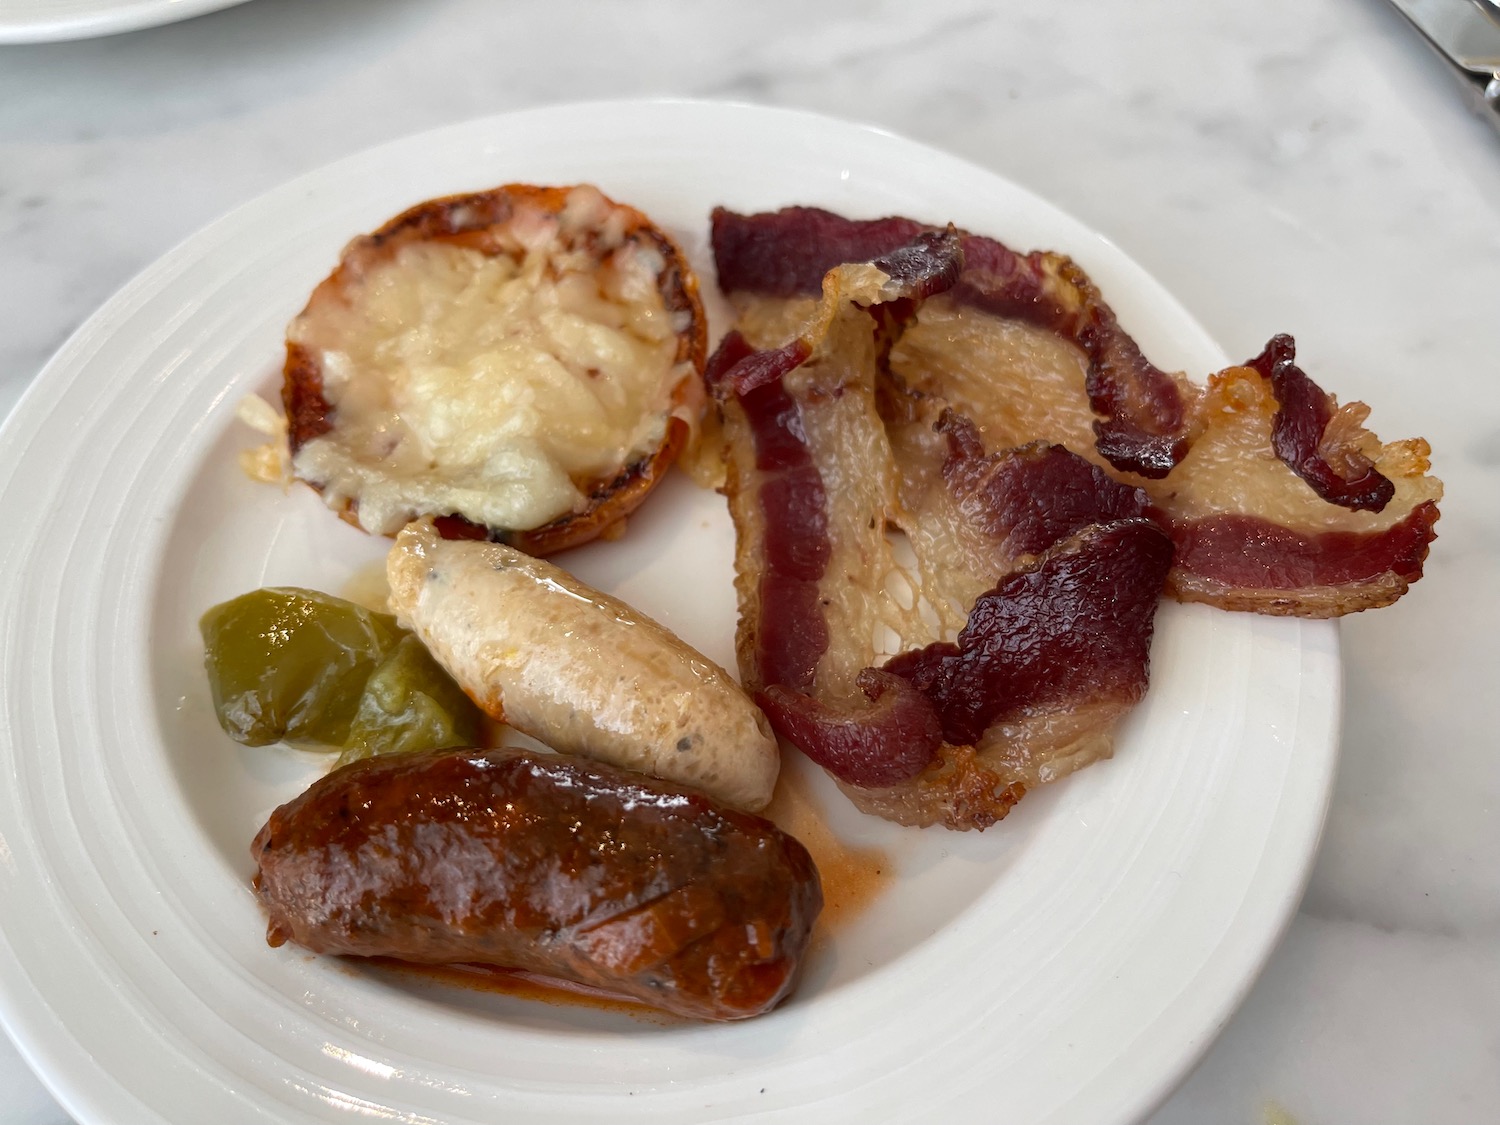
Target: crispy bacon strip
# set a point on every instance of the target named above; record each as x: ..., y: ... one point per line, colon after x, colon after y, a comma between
x: 1023, y: 500
x: 1242, y: 562
x: 1028, y: 498
x: 789, y: 252
x: 1301, y: 427
x: 931, y: 263
x: 793, y: 635
x: 1071, y: 633
x: 973, y: 516
x: 875, y: 746
x: 801, y: 421
x: 1073, y: 628
x: 1046, y: 565
x: 809, y: 455
x: 1280, y: 502
x: 790, y: 409
x: 1253, y: 535
x: 1142, y: 426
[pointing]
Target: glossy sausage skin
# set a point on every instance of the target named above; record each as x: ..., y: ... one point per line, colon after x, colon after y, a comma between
x: 577, y: 669
x: 546, y: 863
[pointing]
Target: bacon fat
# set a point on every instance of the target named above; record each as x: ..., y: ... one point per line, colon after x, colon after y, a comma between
x: 1074, y: 627
x: 886, y: 743
x: 1302, y: 418
x: 1279, y: 500
x: 814, y: 484
x: 1142, y: 423
x: 1048, y: 480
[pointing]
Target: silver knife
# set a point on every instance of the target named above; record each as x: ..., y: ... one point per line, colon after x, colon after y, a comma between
x: 1467, y: 34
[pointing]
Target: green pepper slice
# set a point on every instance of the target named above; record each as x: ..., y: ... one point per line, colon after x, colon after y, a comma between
x: 295, y: 665
x: 411, y: 704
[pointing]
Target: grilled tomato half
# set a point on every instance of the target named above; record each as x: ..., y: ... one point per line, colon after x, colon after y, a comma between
x: 523, y: 363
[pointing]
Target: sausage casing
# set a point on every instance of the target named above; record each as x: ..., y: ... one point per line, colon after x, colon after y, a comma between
x: 546, y: 863
x: 581, y: 671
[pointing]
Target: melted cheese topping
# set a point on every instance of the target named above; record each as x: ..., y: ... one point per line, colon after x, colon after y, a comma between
x: 493, y: 384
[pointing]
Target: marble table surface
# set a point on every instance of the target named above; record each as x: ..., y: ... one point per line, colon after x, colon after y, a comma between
x: 1289, y: 165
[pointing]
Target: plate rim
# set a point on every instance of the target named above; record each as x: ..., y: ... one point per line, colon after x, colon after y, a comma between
x: 32, y: 401
x: 101, y: 18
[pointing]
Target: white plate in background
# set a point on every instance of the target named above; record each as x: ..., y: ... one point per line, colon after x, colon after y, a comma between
x: 46, y: 21
x: 1066, y: 966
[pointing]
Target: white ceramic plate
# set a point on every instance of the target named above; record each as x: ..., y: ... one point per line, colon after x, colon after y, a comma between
x: 43, y: 21
x: 1066, y: 966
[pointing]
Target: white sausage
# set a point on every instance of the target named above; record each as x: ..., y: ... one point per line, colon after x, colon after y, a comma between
x: 577, y: 669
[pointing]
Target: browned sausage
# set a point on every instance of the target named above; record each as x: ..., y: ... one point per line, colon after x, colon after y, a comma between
x: 545, y: 863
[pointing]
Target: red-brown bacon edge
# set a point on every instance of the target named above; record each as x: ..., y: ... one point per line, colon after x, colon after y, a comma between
x: 1026, y: 499
x: 887, y: 743
x: 1305, y: 410
x: 898, y: 735
x: 1143, y: 420
x: 793, y: 635
x: 1097, y: 563
x: 1243, y: 562
x: 1074, y: 626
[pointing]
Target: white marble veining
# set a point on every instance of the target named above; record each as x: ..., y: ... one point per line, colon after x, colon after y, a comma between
x: 1290, y: 165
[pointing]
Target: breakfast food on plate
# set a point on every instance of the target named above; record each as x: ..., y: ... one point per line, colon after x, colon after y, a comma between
x: 1250, y: 536
x: 583, y: 672
x: 959, y: 491
x: 545, y: 863
x: 1277, y: 498
x: 1049, y: 482
x: 847, y: 647
x: 523, y: 361
x: 305, y: 667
